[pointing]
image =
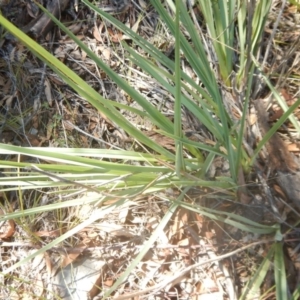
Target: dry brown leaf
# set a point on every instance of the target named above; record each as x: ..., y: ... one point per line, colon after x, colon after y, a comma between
x: 32, y: 9
x: 292, y: 9
x: 285, y: 94
x: 252, y: 119
x: 116, y: 37
x: 33, y: 140
x: 280, y: 192
x: 68, y: 125
x: 71, y: 257
x: 152, y: 223
x: 83, y: 55
x: 181, y: 218
x: 143, y: 4
x: 53, y: 233
x: 48, y: 263
x: 276, y: 113
x: 92, y: 126
x: 8, y: 100
x: 76, y: 54
x: 97, y: 32
x: 59, y: 53
x: 47, y: 91
x: 94, y: 291
x: 135, y: 27
x: 108, y: 282
x: 163, y: 141
x: 106, y: 52
x: 293, y: 147
x: 75, y: 27
x: 184, y: 242
x: 85, y: 141
x: 38, y: 259
x: 7, y: 229
x: 209, y: 235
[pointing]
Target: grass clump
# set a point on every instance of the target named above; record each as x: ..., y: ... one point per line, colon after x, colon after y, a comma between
x: 194, y: 157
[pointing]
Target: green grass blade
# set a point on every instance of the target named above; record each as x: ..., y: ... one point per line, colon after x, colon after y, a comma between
x: 253, y: 286
x: 179, y: 162
x: 103, y: 166
x: 87, y: 92
x: 279, y: 272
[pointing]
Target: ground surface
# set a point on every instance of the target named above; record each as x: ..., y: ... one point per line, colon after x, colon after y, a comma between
x: 38, y: 109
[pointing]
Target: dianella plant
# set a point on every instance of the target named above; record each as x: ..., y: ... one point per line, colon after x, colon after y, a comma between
x: 210, y: 76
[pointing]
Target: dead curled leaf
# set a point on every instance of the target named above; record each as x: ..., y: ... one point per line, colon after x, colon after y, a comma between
x: 97, y: 32
x: 7, y: 229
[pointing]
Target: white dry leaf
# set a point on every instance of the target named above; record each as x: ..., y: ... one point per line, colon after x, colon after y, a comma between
x: 83, y: 55
x: 106, y: 52
x: 8, y: 100
x: 38, y: 262
x: 59, y: 53
x: 36, y: 104
x: 252, y: 119
x: 76, y: 280
x: 143, y: 4
x: 163, y: 239
x: 137, y: 220
x: 83, y: 211
x: 47, y: 90
x: 76, y: 54
x: 152, y: 223
x: 97, y: 33
x: 123, y: 214
x: 134, y: 28
x: 114, y: 229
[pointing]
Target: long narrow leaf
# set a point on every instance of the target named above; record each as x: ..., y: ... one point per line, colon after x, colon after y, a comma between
x: 85, y: 90
x: 279, y: 272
